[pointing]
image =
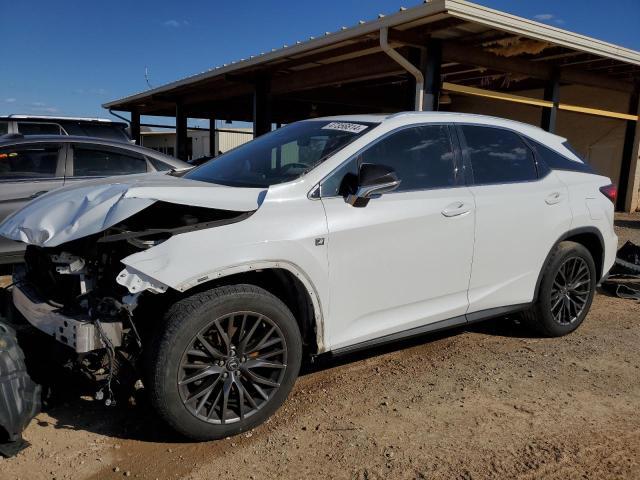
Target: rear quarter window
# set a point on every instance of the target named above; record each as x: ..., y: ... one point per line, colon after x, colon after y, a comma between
x: 159, y: 165
x: 557, y: 161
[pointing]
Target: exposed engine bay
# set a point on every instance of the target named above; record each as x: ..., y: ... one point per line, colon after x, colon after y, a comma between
x: 72, y: 291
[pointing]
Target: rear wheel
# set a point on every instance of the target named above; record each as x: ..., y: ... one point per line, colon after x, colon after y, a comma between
x: 566, y: 290
x: 225, y: 361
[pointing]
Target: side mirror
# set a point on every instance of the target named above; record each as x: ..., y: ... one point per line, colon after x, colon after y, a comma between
x: 373, y: 181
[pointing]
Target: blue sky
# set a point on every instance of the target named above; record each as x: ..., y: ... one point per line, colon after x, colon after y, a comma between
x: 69, y: 57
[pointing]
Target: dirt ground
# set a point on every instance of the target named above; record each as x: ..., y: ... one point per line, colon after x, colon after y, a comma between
x: 489, y: 401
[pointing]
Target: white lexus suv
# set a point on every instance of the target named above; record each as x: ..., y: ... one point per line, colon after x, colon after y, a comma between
x: 327, y: 235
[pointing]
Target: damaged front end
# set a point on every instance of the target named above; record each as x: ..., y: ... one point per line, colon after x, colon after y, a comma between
x: 79, y: 294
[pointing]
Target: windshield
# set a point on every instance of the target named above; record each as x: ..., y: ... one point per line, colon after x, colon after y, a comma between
x: 280, y: 156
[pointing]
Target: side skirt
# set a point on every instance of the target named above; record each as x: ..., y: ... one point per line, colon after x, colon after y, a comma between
x: 434, y: 327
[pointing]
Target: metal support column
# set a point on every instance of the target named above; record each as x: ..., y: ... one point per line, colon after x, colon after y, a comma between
x: 262, y: 106
x: 551, y: 94
x: 629, y: 181
x: 181, y: 133
x: 432, y: 78
x: 135, y: 126
x: 213, y: 144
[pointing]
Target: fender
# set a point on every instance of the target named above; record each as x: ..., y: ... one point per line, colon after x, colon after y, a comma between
x: 130, y: 278
x: 564, y: 236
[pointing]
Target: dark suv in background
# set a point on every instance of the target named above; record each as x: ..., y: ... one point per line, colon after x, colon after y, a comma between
x: 49, y: 125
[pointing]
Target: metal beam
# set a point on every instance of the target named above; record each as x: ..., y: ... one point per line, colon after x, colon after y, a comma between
x: 135, y: 126
x: 362, y: 68
x: 262, y: 106
x: 629, y: 181
x: 468, y: 55
x: 550, y: 115
x: 181, y: 132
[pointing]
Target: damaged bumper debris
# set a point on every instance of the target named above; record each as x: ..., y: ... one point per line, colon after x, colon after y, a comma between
x: 75, y: 285
x: 624, y: 279
x: 20, y: 397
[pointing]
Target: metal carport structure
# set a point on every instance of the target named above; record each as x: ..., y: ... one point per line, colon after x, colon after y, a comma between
x: 416, y: 59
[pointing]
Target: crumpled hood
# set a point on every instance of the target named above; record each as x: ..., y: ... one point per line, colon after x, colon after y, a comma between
x: 86, y: 208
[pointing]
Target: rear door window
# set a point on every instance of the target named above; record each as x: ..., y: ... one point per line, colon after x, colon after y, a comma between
x: 28, y: 162
x: 497, y: 155
x: 4, y: 128
x: 38, y: 128
x: 95, y: 161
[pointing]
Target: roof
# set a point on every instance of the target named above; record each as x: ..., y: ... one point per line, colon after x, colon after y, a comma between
x: 447, y: 20
x: 18, y: 116
x: 439, y: 116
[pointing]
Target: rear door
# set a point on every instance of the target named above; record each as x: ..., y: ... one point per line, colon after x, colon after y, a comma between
x: 402, y: 261
x: 521, y: 211
x: 27, y: 171
x: 86, y: 160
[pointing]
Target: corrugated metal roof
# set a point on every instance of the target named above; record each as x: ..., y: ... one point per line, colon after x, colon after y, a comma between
x: 406, y: 18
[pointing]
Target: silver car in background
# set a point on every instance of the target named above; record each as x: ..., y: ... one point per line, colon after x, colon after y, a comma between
x: 31, y: 166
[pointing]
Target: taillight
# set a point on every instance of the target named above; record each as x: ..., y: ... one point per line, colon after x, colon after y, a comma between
x: 610, y: 191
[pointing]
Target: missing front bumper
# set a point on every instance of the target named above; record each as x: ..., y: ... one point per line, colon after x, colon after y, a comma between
x: 78, y: 332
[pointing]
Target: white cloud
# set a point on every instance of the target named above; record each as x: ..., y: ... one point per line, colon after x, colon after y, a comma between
x: 173, y: 23
x: 10, y: 100
x: 548, y: 18
x: 40, y: 107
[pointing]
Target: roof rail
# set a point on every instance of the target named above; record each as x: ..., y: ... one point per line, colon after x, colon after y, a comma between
x: 57, y: 117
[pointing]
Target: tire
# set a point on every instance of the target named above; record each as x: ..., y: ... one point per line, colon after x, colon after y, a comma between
x: 193, y: 373
x: 559, y: 308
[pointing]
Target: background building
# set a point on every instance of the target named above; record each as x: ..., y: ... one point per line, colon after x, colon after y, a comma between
x: 198, y: 141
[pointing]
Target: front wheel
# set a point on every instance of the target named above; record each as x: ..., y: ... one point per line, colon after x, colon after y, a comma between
x: 225, y: 361
x: 566, y: 290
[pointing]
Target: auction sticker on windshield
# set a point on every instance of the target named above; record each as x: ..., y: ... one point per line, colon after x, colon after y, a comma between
x: 346, y: 127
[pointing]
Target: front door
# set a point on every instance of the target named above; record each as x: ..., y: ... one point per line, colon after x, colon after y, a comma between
x: 26, y: 172
x: 403, y: 260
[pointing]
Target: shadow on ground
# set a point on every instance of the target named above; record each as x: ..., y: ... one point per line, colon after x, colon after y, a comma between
x: 71, y: 404
x: 635, y: 224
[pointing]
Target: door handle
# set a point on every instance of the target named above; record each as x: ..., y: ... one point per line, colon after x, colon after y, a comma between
x: 553, y: 198
x: 456, y: 209
x: 37, y: 194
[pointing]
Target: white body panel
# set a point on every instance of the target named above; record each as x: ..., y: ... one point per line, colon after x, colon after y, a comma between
x: 397, y: 264
x: 515, y: 229
x: 589, y: 209
x: 394, y: 265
